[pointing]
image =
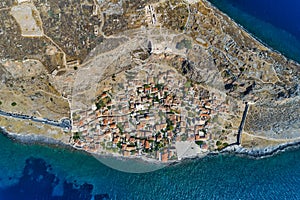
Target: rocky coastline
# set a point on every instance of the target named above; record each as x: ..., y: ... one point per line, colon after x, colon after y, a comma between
x: 256, y: 153
x: 259, y: 153
x: 31, y: 139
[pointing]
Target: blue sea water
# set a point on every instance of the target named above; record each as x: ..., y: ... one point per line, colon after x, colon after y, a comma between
x: 43, y: 172
x: 274, y: 22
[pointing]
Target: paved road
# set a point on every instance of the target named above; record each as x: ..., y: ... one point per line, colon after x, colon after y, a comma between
x: 239, y: 136
x: 64, y: 123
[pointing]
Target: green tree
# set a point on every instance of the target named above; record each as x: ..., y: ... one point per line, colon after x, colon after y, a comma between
x: 76, y: 136
x: 225, y: 144
x: 120, y: 127
x: 13, y: 103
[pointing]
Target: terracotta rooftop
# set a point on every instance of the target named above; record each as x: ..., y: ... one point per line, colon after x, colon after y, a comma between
x: 147, y: 144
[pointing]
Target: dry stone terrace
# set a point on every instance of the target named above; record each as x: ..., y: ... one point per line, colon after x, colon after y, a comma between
x: 146, y: 111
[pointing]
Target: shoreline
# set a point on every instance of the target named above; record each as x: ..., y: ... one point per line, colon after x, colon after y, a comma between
x: 261, y: 153
x: 255, y: 153
x: 256, y: 38
x: 31, y: 139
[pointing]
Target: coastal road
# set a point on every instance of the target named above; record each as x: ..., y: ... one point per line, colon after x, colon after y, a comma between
x: 63, y: 123
x: 239, y: 136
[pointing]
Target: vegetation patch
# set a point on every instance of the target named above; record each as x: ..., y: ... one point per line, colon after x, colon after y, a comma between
x: 103, y: 101
x: 184, y: 44
x: 76, y: 136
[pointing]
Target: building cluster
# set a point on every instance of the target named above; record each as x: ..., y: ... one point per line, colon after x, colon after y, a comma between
x: 147, y: 116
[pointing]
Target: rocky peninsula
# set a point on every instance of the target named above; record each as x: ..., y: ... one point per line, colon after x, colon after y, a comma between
x: 157, y: 80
